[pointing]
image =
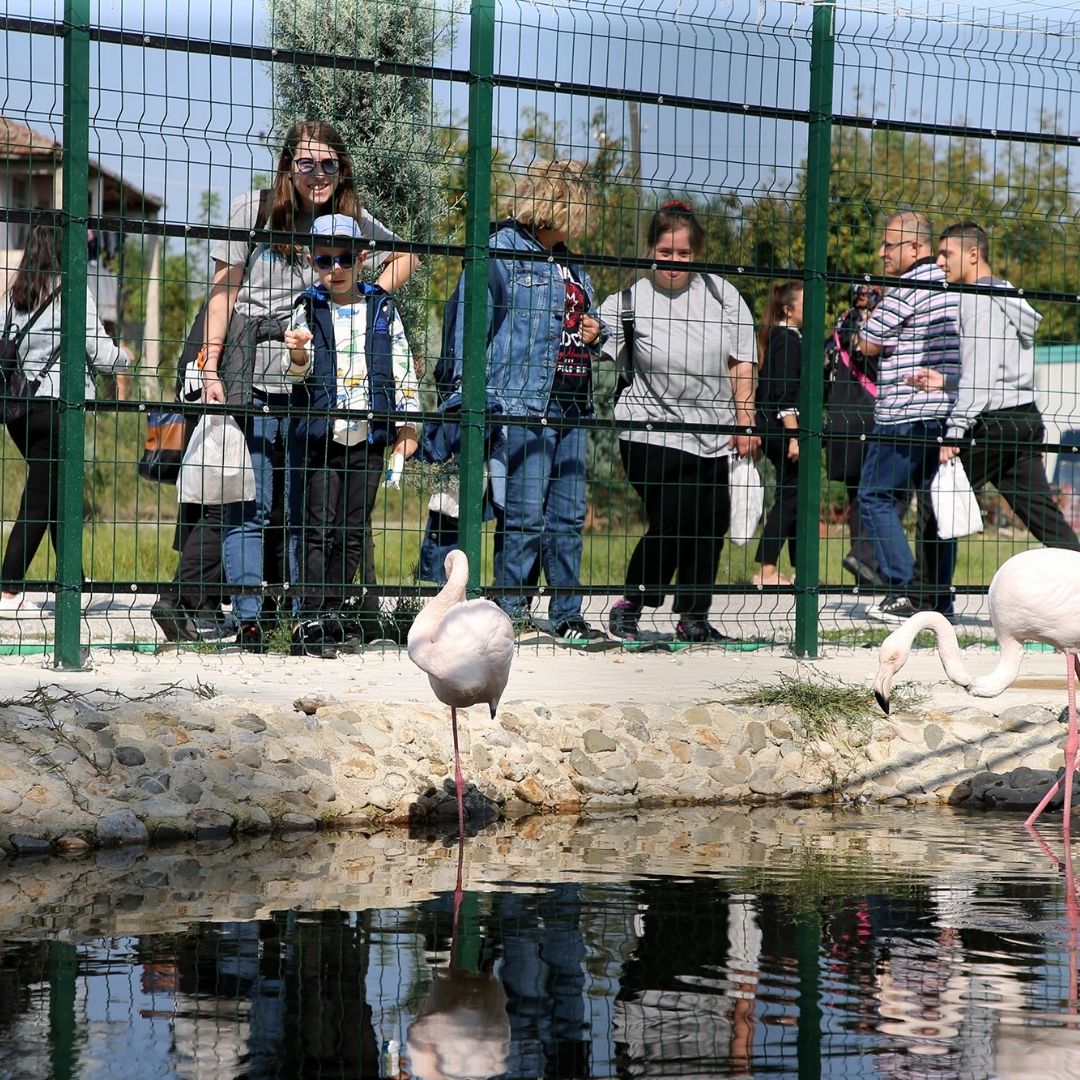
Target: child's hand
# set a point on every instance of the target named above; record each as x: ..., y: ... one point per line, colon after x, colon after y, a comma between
x: 297, y: 339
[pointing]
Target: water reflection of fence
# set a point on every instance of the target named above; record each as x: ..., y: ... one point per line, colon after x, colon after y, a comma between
x: 793, y: 133
x: 691, y: 942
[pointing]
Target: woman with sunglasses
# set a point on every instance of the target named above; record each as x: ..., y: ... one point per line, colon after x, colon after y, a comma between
x: 251, y: 299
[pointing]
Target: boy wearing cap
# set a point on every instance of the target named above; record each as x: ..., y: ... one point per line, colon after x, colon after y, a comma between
x: 347, y: 349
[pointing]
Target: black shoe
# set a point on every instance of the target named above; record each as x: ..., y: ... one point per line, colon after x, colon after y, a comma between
x: 175, y: 622
x: 625, y: 621
x: 313, y: 639
x: 250, y: 638
x: 863, y: 573
x: 576, y: 631
x: 893, y: 609
x: 700, y: 631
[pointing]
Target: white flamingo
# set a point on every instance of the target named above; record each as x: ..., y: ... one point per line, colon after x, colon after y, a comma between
x: 465, y: 647
x: 1034, y: 596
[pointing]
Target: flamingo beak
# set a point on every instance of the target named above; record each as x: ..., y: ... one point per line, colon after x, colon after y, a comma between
x: 883, y: 688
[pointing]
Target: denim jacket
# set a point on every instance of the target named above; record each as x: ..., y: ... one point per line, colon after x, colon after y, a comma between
x: 522, y: 351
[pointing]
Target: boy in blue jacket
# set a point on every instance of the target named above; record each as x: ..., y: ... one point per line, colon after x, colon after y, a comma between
x: 347, y: 349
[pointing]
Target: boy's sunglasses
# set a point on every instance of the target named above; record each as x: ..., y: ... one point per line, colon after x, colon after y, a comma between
x: 326, y: 262
x: 328, y: 166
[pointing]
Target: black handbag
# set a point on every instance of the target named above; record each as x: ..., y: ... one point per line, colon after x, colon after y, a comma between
x: 15, y: 389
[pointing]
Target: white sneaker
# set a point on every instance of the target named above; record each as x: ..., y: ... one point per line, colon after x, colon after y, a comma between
x: 17, y: 607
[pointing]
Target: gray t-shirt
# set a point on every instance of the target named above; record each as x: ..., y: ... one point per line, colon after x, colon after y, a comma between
x: 272, y: 282
x: 683, y: 341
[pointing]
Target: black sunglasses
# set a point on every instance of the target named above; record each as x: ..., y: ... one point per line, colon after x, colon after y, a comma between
x: 328, y: 166
x: 326, y: 262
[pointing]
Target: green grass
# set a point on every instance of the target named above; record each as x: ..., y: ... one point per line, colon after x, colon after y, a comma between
x: 826, y: 708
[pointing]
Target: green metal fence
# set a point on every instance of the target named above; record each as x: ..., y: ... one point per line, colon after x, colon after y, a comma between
x: 795, y: 131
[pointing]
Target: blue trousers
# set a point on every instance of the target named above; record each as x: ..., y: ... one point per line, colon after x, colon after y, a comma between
x: 544, y: 515
x: 891, y: 472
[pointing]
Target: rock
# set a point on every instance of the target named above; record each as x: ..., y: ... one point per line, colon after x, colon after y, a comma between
x: 250, y: 722
x: 121, y: 827
x: 152, y: 785
x: 531, y: 791
x: 624, y: 777
x: 162, y: 808
x: 210, y: 824
x: 70, y: 844
x: 582, y: 764
x: 317, y: 764
x: 781, y: 729
x: 92, y: 722
x: 322, y: 792
x: 29, y: 845
x: 596, y: 742
x: 188, y: 753
x: 102, y: 759
x: 933, y: 735
x: 190, y: 792
x: 9, y: 800
x: 253, y: 819
x: 298, y: 823
x: 198, y: 723
x: 309, y: 706
x: 649, y: 770
x: 169, y: 832
x: 756, y: 739
x: 63, y: 755
x: 763, y: 782
x: 129, y: 755
x: 248, y: 757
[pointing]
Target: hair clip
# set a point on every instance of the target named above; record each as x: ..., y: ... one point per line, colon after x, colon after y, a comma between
x: 678, y: 204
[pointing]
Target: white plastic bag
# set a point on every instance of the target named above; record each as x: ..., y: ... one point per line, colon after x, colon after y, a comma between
x: 747, y: 499
x: 217, y: 465
x: 955, y: 506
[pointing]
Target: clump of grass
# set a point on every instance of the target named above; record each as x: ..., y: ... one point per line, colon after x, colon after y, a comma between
x: 827, y: 708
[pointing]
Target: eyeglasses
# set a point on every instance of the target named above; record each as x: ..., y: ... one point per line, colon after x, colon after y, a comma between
x: 326, y: 262
x: 306, y: 166
x: 895, y: 243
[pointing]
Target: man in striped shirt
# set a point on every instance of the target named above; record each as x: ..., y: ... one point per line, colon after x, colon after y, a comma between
x: 916, y: 326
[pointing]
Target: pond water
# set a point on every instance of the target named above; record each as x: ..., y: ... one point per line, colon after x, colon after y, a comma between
x: 691, y: 943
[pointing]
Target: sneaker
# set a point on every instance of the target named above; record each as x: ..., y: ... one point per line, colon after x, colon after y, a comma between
x: 893, y: 609
x: 313, y: 639
x: 17, y: 607
x: 624, y: 620
x: 250, y: 638
x: 576, y: 631
x: 174, y: 621
x: 700, y: 631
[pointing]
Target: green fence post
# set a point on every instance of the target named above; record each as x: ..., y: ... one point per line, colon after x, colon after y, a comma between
x: 808, y: 963
x: 477, y: 218
x: 813, y: 378
x: 69, y: 507
x: 63, y: 974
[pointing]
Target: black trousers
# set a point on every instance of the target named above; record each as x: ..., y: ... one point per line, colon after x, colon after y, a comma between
x: 340, y: 487
x: 1017, y: 469
x: 780, y: 521
x: 199, y: 582
x: 688, y: 511
x: 37, y: 436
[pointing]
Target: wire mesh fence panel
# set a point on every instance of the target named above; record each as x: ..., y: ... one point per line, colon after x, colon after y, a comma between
x: 529, y: 280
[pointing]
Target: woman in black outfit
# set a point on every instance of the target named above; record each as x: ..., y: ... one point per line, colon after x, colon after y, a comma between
x: 780, y: 360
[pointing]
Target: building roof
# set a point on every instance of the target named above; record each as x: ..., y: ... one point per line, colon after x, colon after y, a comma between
x: 19, y: 142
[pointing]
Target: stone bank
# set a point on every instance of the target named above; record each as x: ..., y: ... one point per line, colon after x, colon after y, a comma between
x: 89, y: 770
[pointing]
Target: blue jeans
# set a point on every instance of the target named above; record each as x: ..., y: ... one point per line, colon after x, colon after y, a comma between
x: 543, y: 516
x: 889, y: 475
x: 245, y: 523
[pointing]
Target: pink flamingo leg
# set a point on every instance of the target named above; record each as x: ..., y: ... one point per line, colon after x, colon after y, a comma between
x: 458, y: 782
x: 1072, y: 740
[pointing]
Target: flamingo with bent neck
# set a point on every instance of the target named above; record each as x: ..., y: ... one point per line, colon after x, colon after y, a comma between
x: 465, y: 647
x: 1034, y: 596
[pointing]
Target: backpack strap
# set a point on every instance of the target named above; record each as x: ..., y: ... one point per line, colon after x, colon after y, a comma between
x: 861, y: 377
x: 626, y: 318
x: 23, y: 330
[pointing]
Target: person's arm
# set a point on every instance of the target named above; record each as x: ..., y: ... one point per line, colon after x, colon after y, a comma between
x: 224, y: 289
x: 397, y: 269
x: 104, y: 354
x: 741, y: 375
